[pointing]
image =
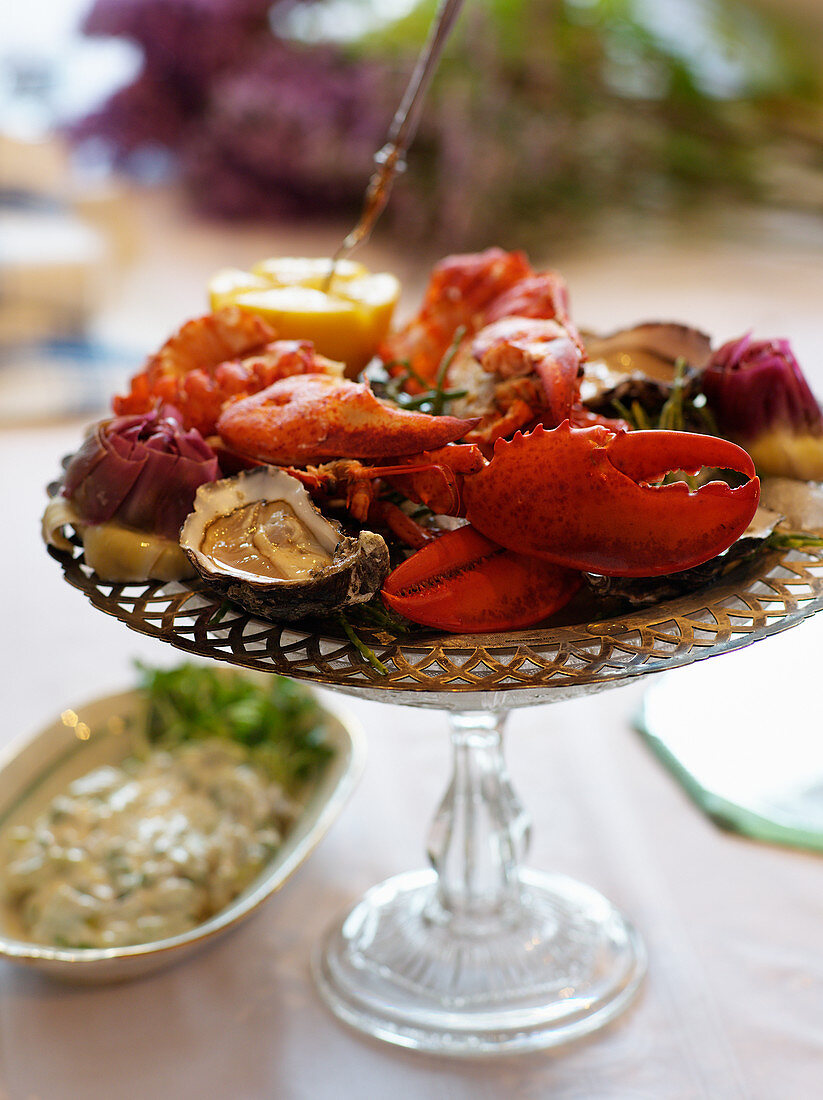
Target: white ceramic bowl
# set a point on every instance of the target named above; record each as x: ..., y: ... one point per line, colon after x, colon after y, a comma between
x: 34, y: 770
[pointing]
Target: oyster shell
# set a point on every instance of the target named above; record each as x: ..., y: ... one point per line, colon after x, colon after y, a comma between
x: 801, y: 502
x: 258, y: 539
x: 638, y: 364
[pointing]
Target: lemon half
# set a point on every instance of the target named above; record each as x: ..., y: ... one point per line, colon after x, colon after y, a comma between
x: 346, y: 323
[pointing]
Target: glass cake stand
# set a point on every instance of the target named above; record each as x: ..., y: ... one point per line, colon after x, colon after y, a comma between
x: 477, y: 955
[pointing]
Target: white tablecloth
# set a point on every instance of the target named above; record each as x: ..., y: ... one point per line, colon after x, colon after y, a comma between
x: 733, y: 1003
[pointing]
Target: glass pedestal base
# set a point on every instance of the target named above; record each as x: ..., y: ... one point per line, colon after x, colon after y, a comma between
x: 560, y: 963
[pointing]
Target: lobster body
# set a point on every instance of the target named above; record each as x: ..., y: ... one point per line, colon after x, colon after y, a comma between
x: 558, y: 502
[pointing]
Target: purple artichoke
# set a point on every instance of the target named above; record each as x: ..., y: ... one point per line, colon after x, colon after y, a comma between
x: 141, y: 470
x: 753, y: 386
x: 760, y: 399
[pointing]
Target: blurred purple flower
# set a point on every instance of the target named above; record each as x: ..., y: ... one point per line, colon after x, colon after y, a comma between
x: 187, y: 41
x: 526, y: 129
x: 294, y: 130
x: 186, y: 44
x: 141, y: 115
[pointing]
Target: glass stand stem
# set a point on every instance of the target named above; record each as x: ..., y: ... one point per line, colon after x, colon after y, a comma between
x: 480, y: 833
x: 477, y: 955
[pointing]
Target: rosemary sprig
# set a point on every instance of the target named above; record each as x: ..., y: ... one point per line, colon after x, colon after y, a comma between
x: 438, y: 401
x: 220, y: 613
x: 672, y: 416
x: 792, y: 540
x: 678, y: 410
x: 408, y: 370
x: 635, y: 416
x: 641, y: 418
x: 361, y: 646
x: 623, y: 411
x: 374, y: 615
x: 433, y: 399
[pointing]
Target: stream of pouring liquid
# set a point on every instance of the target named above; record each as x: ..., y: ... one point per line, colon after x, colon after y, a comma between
x: 390, y: 159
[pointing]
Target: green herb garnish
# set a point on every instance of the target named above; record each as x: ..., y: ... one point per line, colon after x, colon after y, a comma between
x: 224, y: 607
x: 681, y: 411
x: 432, y: 400
x: 792, y: 540
x: 361, y: 646
x: 672, y: 416
x: 635, y: 416
x: 279, y: 721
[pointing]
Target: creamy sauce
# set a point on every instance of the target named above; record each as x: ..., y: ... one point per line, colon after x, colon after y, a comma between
x: 146, y: 850
x: 264, y: 539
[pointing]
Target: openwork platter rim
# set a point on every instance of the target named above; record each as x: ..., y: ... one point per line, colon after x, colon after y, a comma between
x: 773, y: 593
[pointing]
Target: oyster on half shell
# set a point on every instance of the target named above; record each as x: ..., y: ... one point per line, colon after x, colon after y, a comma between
x: 640, y: 364
x: 258, y: 539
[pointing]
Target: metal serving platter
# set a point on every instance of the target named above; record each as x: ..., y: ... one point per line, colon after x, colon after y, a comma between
x: 769, y: 593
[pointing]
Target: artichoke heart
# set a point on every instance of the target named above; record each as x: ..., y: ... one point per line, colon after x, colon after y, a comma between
x: 114, y: 551
x: 258, y: 539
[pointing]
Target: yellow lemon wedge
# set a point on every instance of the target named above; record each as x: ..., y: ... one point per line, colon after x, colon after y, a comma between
x: 346, y: 323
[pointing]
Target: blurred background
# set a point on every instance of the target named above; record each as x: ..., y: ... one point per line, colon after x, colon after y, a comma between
x: 666, y: 155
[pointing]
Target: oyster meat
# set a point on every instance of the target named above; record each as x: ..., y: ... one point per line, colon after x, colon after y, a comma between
x: 258, y: 539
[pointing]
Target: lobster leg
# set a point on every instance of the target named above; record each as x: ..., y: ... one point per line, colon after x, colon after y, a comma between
x: 384, y: 513
x: 359, y: 485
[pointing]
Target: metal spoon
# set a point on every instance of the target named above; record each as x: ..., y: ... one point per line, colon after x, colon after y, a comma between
x: 389, y: 160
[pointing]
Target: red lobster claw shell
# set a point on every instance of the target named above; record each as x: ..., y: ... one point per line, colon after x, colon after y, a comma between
x: 465, y: 583
x: 312, y: 417
x: 580, y: 497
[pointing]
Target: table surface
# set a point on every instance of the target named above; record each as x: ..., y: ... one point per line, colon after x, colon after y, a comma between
x: 732, y: 1006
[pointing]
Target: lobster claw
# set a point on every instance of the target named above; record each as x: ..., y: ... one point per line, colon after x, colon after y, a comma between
x: 312, y: 417
x: 465, y: 583
x: 583, y: 498
x: 649, y: 456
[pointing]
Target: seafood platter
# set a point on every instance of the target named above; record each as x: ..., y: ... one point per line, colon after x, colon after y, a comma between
x: 481, y: 498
